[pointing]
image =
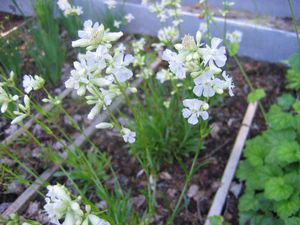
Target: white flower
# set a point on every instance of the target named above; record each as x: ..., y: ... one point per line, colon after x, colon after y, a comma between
x: 108, y: 95
x: 129, y: 17
x: 23, y: 111
x: 93, y: 35
x: 158, y: 47
x: 63, y: 4
x: 95, y: 110
x: 104, y: 125
x: 194, y: 109
x: 59, y: 205
x: 208, y: 85
x: 100, y: 99
x: 119, y: 67
x: 95, y: 220
x: 79, y: 77
x: 213, y: 55
x: 163, y: 75
x: 66, y: 7
x: 168, y: 35
x: 30, y: 83
x: 110, y: 3
x: 128, y: 135
x: 228, y: 84
x: 205, y: 84
x: 234, y: 37
x: 96, y: 60
x: 175, y: 63
x: 138, y: 46
x: 5, y: 99
x: 117, y: 23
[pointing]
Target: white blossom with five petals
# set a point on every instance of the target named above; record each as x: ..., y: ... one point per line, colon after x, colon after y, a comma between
x: 195, y: 108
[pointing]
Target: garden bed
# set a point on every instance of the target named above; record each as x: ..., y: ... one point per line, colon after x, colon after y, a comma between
x: 117, y: 163
x: 213, y: 158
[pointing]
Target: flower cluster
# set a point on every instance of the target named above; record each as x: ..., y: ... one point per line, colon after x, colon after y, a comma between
x: 6, y: 98
x: 203, y: 64
x: 94, y: 35
x: 101, y: 73
x: 20, y: 111
x: 233, y: 42
x: 68, y: 9
x: 234, y: 37
x: 32, y: 83
x: 128, y: 18
x: 60, y: 207
x: 111, y: 4
x: 23, y: 110
x: 167, y: 9
x: 168, y: 35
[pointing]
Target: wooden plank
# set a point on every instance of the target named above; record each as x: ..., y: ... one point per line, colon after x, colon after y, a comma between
x: 228, y: 175
x: 23, y: 200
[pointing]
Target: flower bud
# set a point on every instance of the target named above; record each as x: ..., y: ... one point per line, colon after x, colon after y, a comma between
x: 219, y: 91
x: 133, y: 90
x: 198, y: 37
x: 205, y: 106
x: 104, y: 125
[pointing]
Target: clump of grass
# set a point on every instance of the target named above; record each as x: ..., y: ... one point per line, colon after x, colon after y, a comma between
x: 47, y: 48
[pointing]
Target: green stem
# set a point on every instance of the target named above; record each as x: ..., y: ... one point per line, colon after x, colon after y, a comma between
x: 250, y: 85
x: 295, y: 22
x: 187, y: 181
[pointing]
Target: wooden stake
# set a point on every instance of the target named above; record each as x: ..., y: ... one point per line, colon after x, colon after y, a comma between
x: 228, y: 175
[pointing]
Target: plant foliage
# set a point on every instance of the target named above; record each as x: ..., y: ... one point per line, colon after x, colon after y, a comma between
x: 271, y: 169
x: 293, y: 73
x: 47, y: 49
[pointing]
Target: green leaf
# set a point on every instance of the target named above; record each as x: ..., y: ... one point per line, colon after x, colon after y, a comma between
x: 292, y: 178
x: 256, y: 151
x: 276, y: 189
x: 293, y: 79
x: 256, y: 95
x: 296, y: 107
x: 294, y: 61
x: 275, y: 137
x: 292, y: 221
x: 278, y: 119
x: 216, y: 220
x: 248, y: 202
x: 265, y: 173
x: 233, y: 48
x: 288, y: 207
x: 45, y: 127
x: 264, y: 220
x: 286, y: 151
x: 286, y: 101
x: 244, y: 170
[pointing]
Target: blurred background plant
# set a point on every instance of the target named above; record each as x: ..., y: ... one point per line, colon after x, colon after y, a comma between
x: 47, y: 49
x: 11, y: 58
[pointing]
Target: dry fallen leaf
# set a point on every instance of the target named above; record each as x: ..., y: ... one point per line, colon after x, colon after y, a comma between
x: 193, y: 190
x: 165, y: 176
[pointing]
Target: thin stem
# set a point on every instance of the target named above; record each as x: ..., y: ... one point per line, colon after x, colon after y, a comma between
x: 295, y: 22
x: 250, y: 85
x: 186, y: 183
x: 241, y: 69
